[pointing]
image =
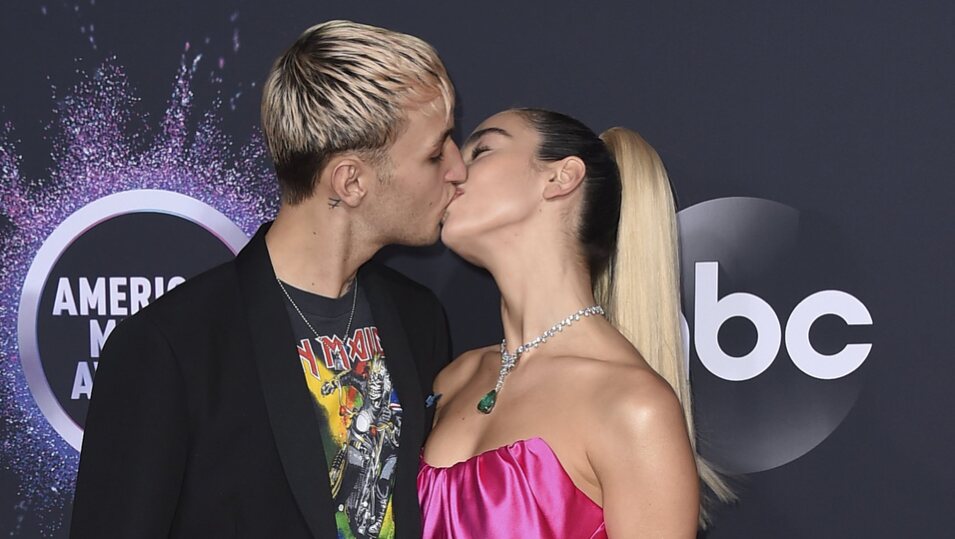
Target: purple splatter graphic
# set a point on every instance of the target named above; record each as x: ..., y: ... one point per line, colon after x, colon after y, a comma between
x: 101, y: 145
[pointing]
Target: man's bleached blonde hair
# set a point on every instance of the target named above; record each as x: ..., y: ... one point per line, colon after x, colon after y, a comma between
x: 344, y: 86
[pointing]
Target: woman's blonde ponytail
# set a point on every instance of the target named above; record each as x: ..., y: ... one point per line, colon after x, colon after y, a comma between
x: 640, y: 287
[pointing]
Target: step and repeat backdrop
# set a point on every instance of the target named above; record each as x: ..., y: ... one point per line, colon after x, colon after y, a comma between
x: 809, y: 144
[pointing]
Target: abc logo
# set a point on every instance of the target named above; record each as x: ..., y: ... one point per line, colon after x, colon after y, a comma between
x: 712, y: 312
x: 775, y: 333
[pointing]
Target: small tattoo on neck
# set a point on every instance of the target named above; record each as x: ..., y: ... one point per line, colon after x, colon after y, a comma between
x: 334, y: 203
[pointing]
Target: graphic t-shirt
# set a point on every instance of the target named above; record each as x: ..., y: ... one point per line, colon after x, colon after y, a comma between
x: 356, y: 405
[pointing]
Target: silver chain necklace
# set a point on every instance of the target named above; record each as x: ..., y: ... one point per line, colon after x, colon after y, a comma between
x: 336, y: 355
x: 509, y: 361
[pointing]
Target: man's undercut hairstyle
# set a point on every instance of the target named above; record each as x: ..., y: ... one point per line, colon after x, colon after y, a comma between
x: 344, y: 86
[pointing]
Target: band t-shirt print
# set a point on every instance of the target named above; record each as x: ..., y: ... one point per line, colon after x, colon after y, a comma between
x: 356, y: 404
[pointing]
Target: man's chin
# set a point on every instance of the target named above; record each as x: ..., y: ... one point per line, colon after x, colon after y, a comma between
x: 423, y: 239
x: 435, y: 234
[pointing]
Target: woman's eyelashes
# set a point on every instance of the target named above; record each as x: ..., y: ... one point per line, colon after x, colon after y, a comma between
x: 478, y: 150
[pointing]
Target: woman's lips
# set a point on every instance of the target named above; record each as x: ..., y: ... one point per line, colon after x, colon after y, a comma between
x: 457, y: 192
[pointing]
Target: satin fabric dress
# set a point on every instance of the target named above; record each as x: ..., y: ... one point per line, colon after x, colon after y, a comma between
x: 519, y: 490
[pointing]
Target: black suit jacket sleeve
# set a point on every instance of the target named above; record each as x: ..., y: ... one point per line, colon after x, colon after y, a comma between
x: 135, y: 443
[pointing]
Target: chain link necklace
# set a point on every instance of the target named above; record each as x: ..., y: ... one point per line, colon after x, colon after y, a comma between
x: 509, y: 361
x: 336, y: 355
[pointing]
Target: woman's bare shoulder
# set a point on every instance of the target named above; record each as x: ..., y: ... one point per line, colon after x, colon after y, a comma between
x: 622, y: 390
x: 633, y: 401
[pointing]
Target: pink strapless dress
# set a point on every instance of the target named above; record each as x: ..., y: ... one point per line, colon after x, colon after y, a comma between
x: 520, y: 490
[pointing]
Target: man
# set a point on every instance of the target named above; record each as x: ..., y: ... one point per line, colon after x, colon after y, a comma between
x: 283, y: 394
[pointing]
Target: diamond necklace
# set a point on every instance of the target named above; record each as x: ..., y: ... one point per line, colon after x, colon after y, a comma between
x: 336, y: 355
x: 509, y: 361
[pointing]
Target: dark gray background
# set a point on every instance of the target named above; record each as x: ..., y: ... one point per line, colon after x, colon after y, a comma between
x: 842, y: 110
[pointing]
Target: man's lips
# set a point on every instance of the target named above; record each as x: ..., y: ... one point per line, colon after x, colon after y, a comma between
x: 454, y: 196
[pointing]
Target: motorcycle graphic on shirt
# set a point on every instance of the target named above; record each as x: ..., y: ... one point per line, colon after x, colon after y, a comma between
x: 351, y: 384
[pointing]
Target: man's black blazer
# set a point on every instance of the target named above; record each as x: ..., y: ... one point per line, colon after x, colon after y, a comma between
x: 201, y: 423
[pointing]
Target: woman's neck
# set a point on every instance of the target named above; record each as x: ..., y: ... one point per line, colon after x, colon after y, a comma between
x: 539, y: 290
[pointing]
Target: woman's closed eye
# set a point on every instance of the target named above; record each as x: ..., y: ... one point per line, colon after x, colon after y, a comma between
x: 478, y: 150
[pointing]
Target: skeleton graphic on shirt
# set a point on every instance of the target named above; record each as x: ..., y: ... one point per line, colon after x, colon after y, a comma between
x: 362, y: 471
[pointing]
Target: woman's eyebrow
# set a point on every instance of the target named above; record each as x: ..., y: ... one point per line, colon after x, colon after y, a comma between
x: 487, y: 130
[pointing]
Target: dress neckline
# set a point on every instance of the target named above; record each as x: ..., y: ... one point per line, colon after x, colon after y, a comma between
x: 505, y: 447
x: 532, y: 441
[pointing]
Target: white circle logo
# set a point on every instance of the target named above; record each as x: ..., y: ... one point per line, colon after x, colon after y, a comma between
x: 748, y: 263
x: 106, y: 261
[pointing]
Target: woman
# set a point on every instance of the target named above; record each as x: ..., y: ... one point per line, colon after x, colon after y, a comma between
x: 578, y: 424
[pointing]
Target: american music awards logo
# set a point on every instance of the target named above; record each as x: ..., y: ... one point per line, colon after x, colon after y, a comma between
x: 775, y: 332
x: 104, y: 262
x: 76, y: 260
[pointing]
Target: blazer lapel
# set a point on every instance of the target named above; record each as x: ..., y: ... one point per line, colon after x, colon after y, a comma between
x: 290, y: 409
x: 404, y: 376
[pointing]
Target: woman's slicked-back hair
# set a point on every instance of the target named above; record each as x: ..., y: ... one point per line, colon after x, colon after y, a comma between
x: 562, y: 136
x: 344, y: 86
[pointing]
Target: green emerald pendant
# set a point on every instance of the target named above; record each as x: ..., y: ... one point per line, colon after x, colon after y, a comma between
x: 487, y: 403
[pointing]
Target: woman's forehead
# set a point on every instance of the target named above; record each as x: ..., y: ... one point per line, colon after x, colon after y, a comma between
x: 507, y: 123
x: 501, y: 119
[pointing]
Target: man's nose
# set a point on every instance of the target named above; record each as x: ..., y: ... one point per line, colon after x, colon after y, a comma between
x: 457, y: 172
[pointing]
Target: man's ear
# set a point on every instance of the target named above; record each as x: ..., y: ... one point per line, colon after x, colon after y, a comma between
x: 347, y: 177
x: 566, y: 175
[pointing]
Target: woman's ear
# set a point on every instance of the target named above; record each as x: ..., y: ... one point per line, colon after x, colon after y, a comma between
x: 347, y: 177
x: 567, y: 175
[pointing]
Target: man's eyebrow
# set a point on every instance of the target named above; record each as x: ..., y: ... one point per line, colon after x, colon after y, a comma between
x: 444, y: 136
x: 486, y: 131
